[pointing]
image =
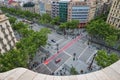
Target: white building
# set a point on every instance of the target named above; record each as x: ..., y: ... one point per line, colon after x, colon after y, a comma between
x: 7, y: 37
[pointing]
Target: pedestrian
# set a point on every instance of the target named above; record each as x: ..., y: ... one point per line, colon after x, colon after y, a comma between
x: 64, y: 73
x: 81, y: 71
x: 57, y: 73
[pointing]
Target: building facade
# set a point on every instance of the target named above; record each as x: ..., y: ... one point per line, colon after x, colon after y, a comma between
x: 7, y: 37
x: 46, y: 5
x: 78, y: 10
x: 37, y: 7
x: 55, y: 9
x: 42, y: 8
x: 29, y: 6
x: 107, y: 6
x: 63, y: 10
x: 114, y: 14
x: 92, y: 4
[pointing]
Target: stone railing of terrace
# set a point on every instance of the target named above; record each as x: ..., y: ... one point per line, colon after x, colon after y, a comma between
x: 109, y: 73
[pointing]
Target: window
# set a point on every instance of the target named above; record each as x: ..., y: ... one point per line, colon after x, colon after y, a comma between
x: 0, y: 26
x: 119, y: 26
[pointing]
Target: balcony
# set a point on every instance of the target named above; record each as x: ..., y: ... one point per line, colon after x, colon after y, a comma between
x: 1, y: 39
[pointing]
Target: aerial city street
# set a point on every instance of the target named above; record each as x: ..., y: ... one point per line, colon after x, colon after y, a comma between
x: 59, y: 37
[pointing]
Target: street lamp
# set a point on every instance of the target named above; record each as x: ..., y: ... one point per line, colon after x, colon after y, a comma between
x: 90, y: 66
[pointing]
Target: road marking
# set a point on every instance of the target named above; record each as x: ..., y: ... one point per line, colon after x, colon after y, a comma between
x: 91, y: 56
x: 60, y: 40
x: 61, y: 50
x: 34, y: 68
x: 48, y: 68
x: 62, y: 64
x: 67, y: 53
x: 82, y: 52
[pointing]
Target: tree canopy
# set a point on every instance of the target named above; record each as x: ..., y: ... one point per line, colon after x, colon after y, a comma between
x: 45, y: 18
x: 100, y: 29
x: 104, y: 59
x: 23, y: 54
x: 12, y: 20
x: 73, y: 71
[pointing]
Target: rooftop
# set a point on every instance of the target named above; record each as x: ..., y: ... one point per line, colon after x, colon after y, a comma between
x: 2, y: 16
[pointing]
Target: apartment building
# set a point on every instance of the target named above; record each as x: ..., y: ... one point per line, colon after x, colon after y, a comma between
x: 92, y: 4
x: 114, y: 14
x: 63, y: 10
x: 29, y: 6
x: 55, y: 9
x: 7, y: 37
x: 42, y: 8
x: 37, y: 6
x: 106, y: 7
x: 78, y: 10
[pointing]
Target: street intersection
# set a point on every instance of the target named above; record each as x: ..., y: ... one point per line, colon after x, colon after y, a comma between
x: 64, y: 47
x: 67, y: 47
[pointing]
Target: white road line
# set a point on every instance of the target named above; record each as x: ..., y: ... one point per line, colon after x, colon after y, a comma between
x: 62, y: 64
x: 48, y: 68
x: 59, y: 40
x: 34, y: 69
x: 91, y: 56
x: 67, y: 53
x: 83, y: 52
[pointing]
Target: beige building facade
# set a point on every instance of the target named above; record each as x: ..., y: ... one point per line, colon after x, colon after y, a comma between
x: 114, y: 14
x: 92, y: 4
x: 7, y: 37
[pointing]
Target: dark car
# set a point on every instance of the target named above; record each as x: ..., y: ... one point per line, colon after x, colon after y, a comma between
x: 53, y: 41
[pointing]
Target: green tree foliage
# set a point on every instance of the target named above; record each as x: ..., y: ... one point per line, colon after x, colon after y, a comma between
x: 69, y: 25
x: 12, y: 20
x: 73, y: 71
x: 45, y: 18
x: 19, y: 25
x: 12, y: 59
x: 56, y: 20
x: 119, y: 47
x: 74, y: 24
x: 111, y: 40
x: 100, y: 29
x: 20, y: 13
x: 104, y: 59
x: 63, y: 26
x: 25, y: 49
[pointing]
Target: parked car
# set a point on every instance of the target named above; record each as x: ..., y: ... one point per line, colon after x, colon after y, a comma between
x: 53, y: 40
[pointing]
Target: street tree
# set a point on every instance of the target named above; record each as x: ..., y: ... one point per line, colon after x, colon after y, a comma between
x: 101, y: 30
x: 74, y: 24
x: 12, y: 59
x: 73, y: 71
x: 104, y: 59
x: 45, y: 18
x: 111, y: 40
x: 12, y: 20
x: 55, y: 21
x: 25, y: 49
x: 63, y: 26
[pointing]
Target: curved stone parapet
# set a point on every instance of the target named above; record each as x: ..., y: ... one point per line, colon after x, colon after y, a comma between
x: 109, y: 73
